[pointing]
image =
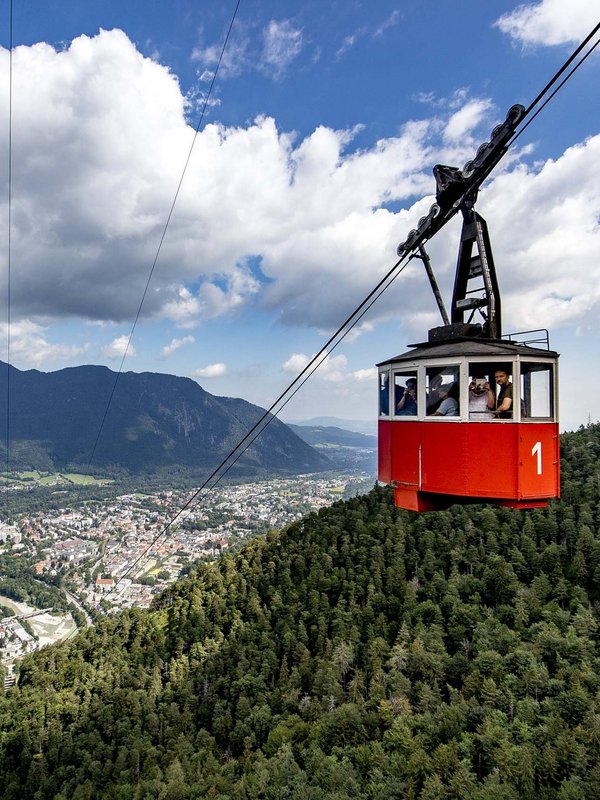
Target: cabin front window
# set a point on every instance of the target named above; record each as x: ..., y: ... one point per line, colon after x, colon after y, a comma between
x: 405, y: 394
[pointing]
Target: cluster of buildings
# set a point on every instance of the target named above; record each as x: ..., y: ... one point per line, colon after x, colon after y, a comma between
x: 15, y: 641
x: 27, y: 629
x: 122, y: 553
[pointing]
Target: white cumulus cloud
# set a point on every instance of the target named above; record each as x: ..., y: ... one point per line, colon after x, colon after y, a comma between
x: 310, y: 209
x: 296, y: 363
x: 169, y: 349
x: 30, y: 347
x: 544, y: 224
x: 313, y: 212
x: 234, y: 59
x: 550, y: 22
x: 211, y: 371
x: 462, y: 122
x: 118, y: 347
x: 331, y: 369
x: 211, y: 300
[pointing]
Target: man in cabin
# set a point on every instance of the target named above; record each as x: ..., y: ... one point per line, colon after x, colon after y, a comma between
x: 407, y: 405
x: 504, y: 401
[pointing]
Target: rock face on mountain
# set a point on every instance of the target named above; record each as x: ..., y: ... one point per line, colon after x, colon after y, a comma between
x: 154, y: 421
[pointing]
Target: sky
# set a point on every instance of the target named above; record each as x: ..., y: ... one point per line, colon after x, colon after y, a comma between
x: 241, y: 248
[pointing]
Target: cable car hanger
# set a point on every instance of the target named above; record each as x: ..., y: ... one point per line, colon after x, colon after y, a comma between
x: 457, y: 190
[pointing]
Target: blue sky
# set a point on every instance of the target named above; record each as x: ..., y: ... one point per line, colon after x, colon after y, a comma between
x: 312, y: 163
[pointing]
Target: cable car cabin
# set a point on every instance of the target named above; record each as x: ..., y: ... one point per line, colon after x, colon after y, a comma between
x: 469, y: 416
x: 469, y: 420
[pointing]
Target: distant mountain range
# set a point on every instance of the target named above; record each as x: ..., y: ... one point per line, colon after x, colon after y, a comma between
x: 368, y: 427
x: 154, y: 422
x: 322, y: 435
x: 346, y: 449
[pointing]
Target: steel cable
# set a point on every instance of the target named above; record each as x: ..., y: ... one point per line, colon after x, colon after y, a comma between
x: 349, y: 323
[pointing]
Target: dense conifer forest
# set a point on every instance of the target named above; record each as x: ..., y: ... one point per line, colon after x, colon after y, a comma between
x: 363, y: 652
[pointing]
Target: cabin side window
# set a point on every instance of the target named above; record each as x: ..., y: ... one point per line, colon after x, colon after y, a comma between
x: 405, y: 393
x: 384, y: 394
x: 442, y: 387
x: 537, y: 391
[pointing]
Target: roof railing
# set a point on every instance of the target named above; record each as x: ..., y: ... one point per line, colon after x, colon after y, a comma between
x: 542, y: 337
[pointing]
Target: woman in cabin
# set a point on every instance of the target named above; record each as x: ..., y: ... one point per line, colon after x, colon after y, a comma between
x: 482, y: 400
x: 449, y: 405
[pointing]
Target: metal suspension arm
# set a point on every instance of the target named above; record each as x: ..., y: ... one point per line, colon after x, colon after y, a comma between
x: 423, y: 255
x: 475, y: 285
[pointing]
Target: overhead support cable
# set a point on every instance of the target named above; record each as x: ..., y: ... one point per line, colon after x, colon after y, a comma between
x: 282, y: 400
x: 489, y: 155
x: 9, y: 245
x: 564, y: 67
x: 164, y: 231
x: 569, y: 74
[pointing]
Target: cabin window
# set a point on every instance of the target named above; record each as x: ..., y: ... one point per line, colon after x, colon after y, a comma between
x: 384, y: 394
x: 405, y: 394
x: 442, y: 387
x: 536, y: 391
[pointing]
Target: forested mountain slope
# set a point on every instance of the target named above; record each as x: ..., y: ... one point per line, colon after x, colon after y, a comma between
x: 361, y: 653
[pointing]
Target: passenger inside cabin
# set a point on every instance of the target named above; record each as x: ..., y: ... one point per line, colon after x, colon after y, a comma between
x: 449, y: 403
x: 407, y: 405
x: 434, y: 397
x: 482, y: 400
x: 504, y: 401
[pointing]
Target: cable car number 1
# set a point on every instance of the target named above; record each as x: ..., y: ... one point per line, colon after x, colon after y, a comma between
x: 536, y: 450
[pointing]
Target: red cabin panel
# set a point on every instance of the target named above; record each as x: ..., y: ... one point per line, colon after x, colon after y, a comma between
x: 514, y: 463
x: 539, y: 460
x: 384, y: 452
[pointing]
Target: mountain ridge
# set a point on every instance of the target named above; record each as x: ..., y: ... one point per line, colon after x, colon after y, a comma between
x: 367, y: 427
x: 154, y: 421
x: 333, y: 435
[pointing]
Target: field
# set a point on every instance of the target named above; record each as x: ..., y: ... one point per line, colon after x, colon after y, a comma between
x: 55, y: 479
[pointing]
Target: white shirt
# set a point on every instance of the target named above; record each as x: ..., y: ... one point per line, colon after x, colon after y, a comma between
x: 478, y: 406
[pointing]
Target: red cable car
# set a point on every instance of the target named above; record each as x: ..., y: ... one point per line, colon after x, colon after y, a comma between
x: 469, y: 416
x: 466, y: 452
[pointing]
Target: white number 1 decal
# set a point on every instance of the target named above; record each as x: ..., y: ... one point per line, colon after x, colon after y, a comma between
x: 537, y: 450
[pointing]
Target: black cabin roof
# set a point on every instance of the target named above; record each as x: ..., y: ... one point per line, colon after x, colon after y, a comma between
x: 469, y: 347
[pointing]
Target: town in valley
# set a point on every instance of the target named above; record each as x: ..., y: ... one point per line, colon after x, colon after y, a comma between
x: 121, y: 552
